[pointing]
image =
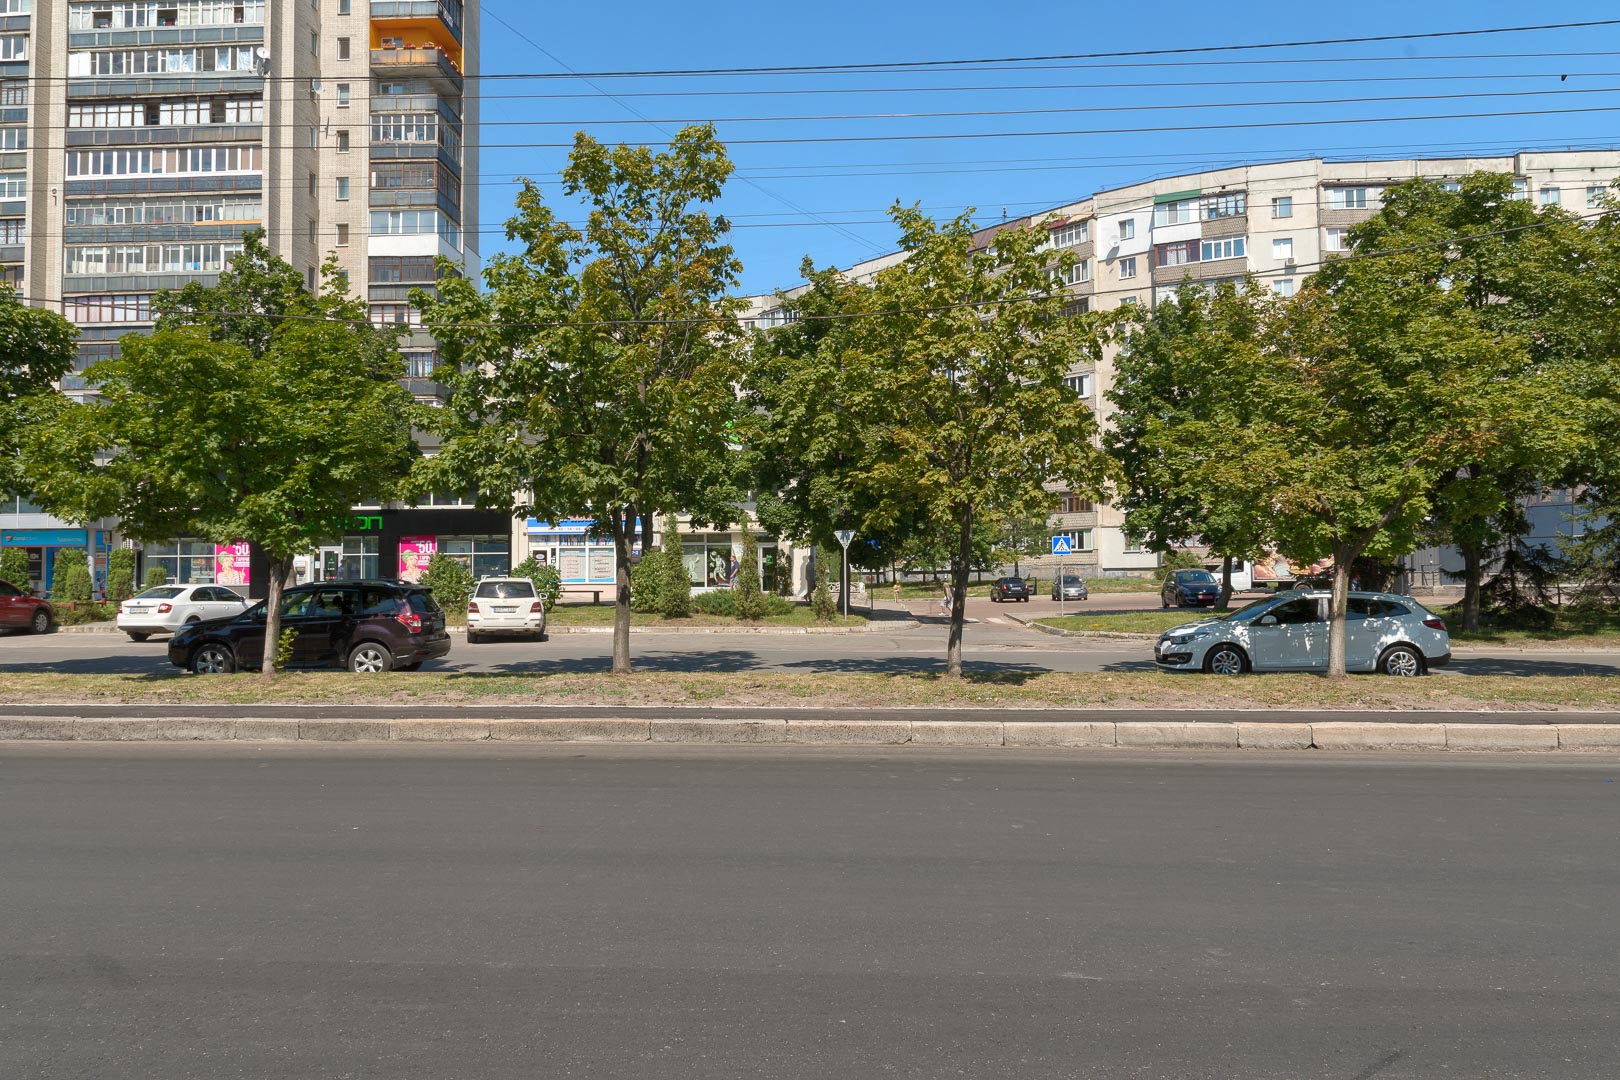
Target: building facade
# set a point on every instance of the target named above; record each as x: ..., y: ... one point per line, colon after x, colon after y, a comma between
x: 1277, y: 221
x: 139, y: 141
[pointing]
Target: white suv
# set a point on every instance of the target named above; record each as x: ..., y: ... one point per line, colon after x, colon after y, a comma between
x: 505, y: 605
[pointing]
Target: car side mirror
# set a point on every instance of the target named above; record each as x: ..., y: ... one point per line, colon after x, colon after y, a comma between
x: 1266, y: 620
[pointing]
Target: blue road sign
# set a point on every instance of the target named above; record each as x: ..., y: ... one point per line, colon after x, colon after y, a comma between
x: 1061, y: 545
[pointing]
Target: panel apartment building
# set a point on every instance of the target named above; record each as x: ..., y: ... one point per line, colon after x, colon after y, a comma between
x: 140, y: 139
x: 1277, y: 221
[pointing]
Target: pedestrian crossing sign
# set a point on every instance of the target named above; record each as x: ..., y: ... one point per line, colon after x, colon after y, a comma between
x: 1062, y: 545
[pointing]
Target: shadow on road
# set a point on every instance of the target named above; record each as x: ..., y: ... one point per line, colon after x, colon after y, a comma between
x: 1526, y: 665
x: 912, y: 665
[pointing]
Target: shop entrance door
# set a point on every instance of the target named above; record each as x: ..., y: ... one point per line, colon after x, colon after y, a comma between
x: 329, y: 563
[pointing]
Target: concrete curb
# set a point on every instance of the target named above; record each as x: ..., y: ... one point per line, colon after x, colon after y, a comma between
x: 866, y: 628
x: 1096, y: 734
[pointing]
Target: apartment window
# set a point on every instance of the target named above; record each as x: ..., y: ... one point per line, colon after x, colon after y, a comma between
x: 11, y: 230
x: 342, y: 281
x: 1451, y: 185
x: 1074, y: 504
x: 314, y: 43
x: 405, y: 270
x: 1127, y: 300
x: 1521, y: 189
x: 1080, y: 384
x: 1079, y: 272
x: 1079, y: 539
x: 343, y: 95
x: 1127, y: 229
x: 1282, y: 206
x: 314, y: 232
x: 395, y: 315
x: 343, y: 141
x: 314, y: 181
x: 1282, y: 248
x: 1175, y: 213
x: 1184, y: 251
x: 343, y: 48
x: 1232, y: 204
x: 1595, y: 194
x: 344, y: 7
x: 1347, y: 198
x: 314, y: 137
x: 309, y: 279
x: 1072, y: 235
x: 124, y: 308
x: 342, y: 188
x: 1230, y: 248
x: 1127, y: 268
x: 343, y: 234
x: 1284, y: 286
x: 1337, y: 240
x: 1550, y: 196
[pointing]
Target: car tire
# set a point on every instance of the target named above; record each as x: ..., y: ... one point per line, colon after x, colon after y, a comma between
x: 370, y: 658
x: 137, y: 637
x: 212, y: 659
x: 1226, y: 660
x: 473, y: 638
x: 41, y: 622
x: 1402, y: 661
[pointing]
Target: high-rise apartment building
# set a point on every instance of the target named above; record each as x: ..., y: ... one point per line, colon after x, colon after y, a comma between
x: 139, y: 141
x: 1277, y: 221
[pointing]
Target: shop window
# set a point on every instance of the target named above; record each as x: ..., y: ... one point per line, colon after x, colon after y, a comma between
x: 359, y: 558
x: 483, y: 555
x: 186, y: 562
x: 709, y: 560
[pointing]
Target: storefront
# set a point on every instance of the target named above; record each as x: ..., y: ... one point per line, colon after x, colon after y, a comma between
x: 43, y: 546
x: 580, y: 558
x: 190, y: 561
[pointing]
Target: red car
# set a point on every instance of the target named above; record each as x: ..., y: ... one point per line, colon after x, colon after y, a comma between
x: 18, y: 608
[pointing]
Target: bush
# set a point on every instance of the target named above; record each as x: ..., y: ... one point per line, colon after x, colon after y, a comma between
x: 70, y: 577
x: 86, y: 613
x: 450, y: 582
x: 821, y: 600
x: 80, y: 585
x: 548, y: 580
x: 155, y: 576
x: 750, y: 600
x: 1179, y: 560
x: 14, y: 567
x: 723, y: 602
x: 121, y: 574
x: 647, y: 584
x: 675, y: 588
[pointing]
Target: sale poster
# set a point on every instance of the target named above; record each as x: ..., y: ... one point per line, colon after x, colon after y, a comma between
x: 414, y: 554
x: 231, y: 563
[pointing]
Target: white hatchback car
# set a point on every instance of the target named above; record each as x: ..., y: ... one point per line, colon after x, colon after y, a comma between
x: 505, y: 605
x: 1391, y: 634
x: 164, y: 609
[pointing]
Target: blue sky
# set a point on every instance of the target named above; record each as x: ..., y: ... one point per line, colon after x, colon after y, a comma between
x: 827, y: 199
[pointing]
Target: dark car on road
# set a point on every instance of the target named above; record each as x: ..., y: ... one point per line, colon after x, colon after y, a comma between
x: 18, y: 608
x: 365, y: 626
x: 1190, y: 588
x: 1009, y: 588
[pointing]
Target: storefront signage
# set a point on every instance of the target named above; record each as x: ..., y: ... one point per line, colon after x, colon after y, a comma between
x: 231, y: 562
x: 368, y: 523
x: 574, y: 526
x: 414, y: 554
x: 42, y: 538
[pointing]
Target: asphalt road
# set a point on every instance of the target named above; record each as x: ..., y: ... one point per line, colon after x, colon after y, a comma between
x: 179, y: 912
x: 993, y: 643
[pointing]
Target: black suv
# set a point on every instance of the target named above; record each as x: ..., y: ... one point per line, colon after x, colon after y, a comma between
x: 365, y: 626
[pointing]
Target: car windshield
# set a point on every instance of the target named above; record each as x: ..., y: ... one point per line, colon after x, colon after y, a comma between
x: 166, y: 592
x: 506, y: 590
x: 1071, y: 580
x: 1195, y: 577
x: 1250, y: 610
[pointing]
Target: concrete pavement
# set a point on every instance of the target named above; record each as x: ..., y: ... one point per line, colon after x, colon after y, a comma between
x: 521, y: 912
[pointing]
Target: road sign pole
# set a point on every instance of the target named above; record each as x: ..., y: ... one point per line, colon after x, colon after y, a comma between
x: 844, y: 537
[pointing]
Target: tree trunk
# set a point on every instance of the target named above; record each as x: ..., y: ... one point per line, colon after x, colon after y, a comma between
x: 621, y: 594
x: 1225, y: 602
x: 278, y: 569
x: 1343, y: 560
x: 1473, y: 582
x: 959, y: 587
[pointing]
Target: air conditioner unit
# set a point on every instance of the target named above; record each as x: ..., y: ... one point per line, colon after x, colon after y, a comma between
x: 1288, y: 262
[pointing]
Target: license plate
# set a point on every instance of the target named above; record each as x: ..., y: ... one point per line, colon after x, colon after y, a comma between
x: 505, y: 610
x: 138, y: 611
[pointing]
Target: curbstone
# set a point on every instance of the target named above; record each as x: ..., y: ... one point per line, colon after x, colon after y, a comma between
x: 1048, y: 733
x: 849, y: 732
x: 439, y: 730
x: 1177, y: 736
x: 59, y: 728
x: 957, y: 732
x: 719, y: 731
x: 1589, y: 737
x: 1501, y: 737
x: 1263, y: 736
x: 95, y: 730
x: 1379, y: 736
x: 342, y: 730
x: 261, y: 730
x: 193, y: 729
x: 571, y: 730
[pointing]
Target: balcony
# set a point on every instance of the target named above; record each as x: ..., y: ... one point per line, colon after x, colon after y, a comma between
x: 417, y: 13
x: 432, y: 65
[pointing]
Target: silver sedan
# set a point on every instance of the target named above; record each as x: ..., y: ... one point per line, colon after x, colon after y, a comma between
x: 1386, y: 633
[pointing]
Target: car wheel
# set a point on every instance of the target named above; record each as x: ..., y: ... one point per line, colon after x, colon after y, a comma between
x: 1401, y: 660
x: 473, y: 638
x: 1163, y: 603
x: 370, y: 658
x: 41, y: 622
x: 213, y: 659
x: 1226, y: 660
x: 138, y: 637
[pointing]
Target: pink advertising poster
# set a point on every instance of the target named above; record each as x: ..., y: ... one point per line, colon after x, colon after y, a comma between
x: 231, y: 563
x: 414, y: 553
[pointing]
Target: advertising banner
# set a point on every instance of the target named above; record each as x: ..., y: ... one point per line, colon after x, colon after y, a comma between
x: 231, y: 563
x: 414, y: 554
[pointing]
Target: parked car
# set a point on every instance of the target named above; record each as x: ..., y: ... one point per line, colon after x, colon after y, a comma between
x: 1070, y: 587
x: 164, y: 609
x: 505, y: 605
x: 1009, y: 588
x: 365, y: 626
x: 18, y: 607
x: 1189, y: 588
x: 1391, y: 634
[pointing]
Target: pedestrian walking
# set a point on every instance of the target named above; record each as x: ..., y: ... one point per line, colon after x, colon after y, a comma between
x: 945, y: 601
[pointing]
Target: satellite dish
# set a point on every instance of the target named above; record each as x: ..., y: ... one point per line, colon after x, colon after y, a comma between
x: 262, y: 53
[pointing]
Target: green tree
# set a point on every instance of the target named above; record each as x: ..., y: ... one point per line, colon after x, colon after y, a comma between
x: 1022, y: 536
x: 750, y: 599
x: 1184, y: 406
x: 255, y: 411
x: 156, y: 577
x: 1178, y: 559
x: 547, y: 580
x: 14, y: 567
x: 450, y: 582
x: 61, y: 570
x: 674, y: 583
x: 960, y: 372
x: 596, y: 372
x: 39, y: 347
x: 121, y: 574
